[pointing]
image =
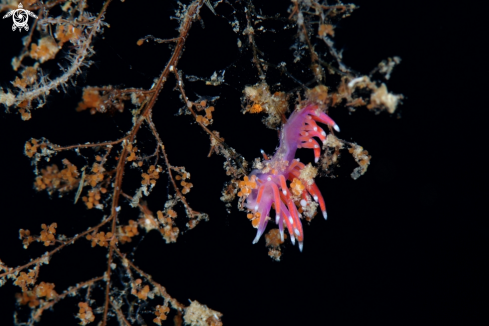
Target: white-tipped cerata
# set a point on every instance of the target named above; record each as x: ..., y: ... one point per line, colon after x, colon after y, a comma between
x: 258, y: 235
x: 301, y: 245
x: 336, y: 128
x: 325, y: 215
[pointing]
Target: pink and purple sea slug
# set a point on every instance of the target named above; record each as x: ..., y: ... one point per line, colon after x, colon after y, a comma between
x: 266, y: 187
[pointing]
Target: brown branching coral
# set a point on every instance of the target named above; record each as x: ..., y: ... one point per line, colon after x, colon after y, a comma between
x: 100, y: 184
x: 96, y: 173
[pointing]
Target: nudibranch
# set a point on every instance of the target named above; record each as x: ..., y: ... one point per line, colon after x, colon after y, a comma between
x: 267, y: 186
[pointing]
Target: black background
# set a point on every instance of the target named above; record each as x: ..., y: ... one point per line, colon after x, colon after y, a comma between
x: 404, y: 243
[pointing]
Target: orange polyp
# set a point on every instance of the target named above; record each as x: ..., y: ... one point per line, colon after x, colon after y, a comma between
x: 297, y: 187
x: 256, y: 108
x: 255, y: 222
x: 208, y: 112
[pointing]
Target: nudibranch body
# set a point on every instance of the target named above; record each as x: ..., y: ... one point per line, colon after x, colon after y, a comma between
x: 267, y: 185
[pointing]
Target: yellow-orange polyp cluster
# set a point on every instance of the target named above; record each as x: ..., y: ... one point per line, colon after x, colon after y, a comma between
x: 247, y: 185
